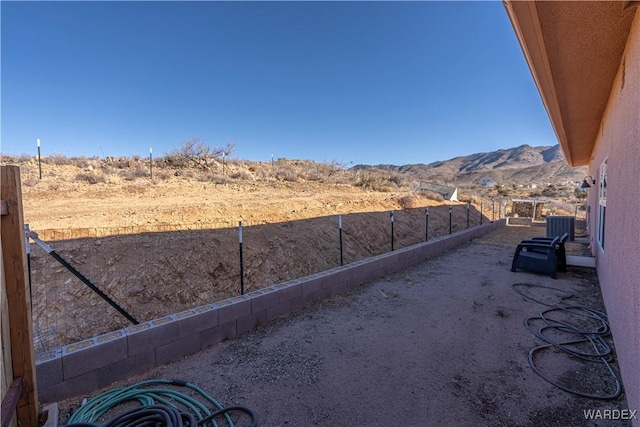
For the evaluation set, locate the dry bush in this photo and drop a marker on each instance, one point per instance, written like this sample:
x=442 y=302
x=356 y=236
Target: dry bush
x=133 y=174
x=374 y=182
x=407 y=201
x=186 y=173
x=287 y=174
x=30 y=181
x=162 y=175
x=120 y=162
x=91 y=177
x=57 y=159
x=81 y=162
x=241 y=175
x=261 y=171
x=341 y=177
x=16 y=160
x=432 y=195
x=7 y=160
x=113 y=179
x=212 y=177
x=196 y=154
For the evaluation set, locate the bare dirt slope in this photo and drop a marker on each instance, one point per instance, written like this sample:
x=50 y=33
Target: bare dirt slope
x=159 y=247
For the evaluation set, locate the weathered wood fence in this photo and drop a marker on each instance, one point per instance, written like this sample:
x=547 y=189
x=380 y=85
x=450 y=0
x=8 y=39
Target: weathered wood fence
x=18 y=384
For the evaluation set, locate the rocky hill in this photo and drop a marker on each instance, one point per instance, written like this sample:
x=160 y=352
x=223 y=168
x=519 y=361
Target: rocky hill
x=520 y=165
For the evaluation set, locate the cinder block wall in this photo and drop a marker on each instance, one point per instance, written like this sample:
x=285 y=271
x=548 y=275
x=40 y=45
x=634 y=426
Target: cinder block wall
x=86 y=366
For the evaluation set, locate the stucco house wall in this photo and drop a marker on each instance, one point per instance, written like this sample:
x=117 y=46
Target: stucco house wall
x=618 y=263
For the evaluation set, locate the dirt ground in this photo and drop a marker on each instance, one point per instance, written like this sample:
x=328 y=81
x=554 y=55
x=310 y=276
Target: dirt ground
x=159 y=247
x=441 y=343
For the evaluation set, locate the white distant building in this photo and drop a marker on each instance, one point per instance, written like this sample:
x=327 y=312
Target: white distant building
x=447 y=192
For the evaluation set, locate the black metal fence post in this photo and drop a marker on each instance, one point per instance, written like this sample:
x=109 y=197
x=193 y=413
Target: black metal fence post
x=241 y=259
x=468 y=205
x=340 y=228
x=391 y=215
x=151 y=162
x=480 y=212
x=449 y=219
x=39 y=161
x=28 y=246
x=426 y=227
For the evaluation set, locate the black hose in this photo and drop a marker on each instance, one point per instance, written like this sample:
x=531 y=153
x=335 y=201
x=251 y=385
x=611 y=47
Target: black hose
x=593 y=334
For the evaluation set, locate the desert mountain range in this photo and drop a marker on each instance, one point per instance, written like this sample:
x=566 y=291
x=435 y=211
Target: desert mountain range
x=519 y=165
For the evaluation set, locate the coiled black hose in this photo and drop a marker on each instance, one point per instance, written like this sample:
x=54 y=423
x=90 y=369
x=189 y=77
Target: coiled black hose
x=595 y=334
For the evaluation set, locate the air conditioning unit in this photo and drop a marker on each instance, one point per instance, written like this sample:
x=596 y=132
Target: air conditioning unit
x=558 y=225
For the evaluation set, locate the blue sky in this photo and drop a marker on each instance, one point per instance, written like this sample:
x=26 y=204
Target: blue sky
x=361 y=82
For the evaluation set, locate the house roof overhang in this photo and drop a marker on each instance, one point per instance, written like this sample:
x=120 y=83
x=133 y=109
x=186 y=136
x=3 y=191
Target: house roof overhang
x=574 y=50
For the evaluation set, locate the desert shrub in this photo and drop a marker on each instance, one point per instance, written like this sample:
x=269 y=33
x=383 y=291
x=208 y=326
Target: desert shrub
x=241 y=175
x=406 y=201
x=374 y=182
x=287 y=174
x=80 y=162
x=113 y=179
x=580 y=194
x=133 y=174
x=196 y=154
x=395 y=179
x=30 y=181
x=16 y=160
x=186 y=173
x=314 y=176
x=432 y=195
x=122 y=163
x=57 y=159
x=212 y=177
x=261 y=171
x=91 y=177
x=550 y=191
x=162 y=175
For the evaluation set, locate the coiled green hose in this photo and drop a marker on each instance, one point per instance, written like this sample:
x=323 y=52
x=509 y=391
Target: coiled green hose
x=159 y=407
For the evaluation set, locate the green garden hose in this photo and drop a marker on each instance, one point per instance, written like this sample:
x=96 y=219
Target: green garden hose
x=160 y=406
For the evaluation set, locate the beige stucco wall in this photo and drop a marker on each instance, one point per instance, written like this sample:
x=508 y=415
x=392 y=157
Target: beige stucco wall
x=619 y=262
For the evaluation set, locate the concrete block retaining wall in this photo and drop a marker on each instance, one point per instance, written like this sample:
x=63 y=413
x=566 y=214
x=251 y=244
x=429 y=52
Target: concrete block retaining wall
x=86 y=366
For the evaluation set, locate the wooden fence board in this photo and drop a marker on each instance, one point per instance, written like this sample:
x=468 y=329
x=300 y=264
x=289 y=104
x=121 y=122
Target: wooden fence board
x=17 y=294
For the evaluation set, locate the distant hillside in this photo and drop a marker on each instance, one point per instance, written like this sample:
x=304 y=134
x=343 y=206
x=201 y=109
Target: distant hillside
x=520 y=165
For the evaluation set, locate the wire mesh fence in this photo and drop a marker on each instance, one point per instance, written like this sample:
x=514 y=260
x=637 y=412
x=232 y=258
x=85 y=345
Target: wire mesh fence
x=160 y=270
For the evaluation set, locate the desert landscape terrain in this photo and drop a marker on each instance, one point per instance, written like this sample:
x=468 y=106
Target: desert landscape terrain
x=162 y=245
x=159 y=246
